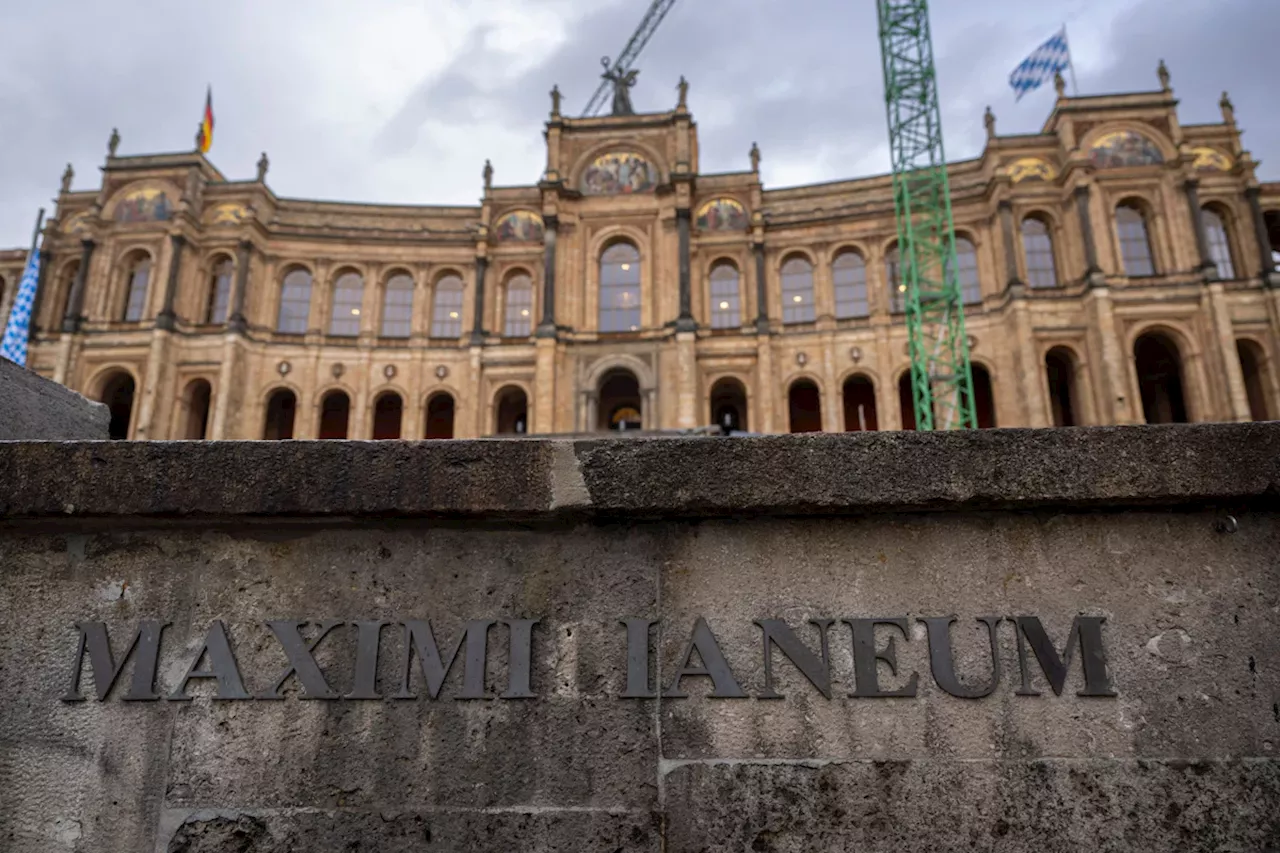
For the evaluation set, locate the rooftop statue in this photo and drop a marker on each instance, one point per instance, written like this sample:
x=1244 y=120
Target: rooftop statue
x=622 y=82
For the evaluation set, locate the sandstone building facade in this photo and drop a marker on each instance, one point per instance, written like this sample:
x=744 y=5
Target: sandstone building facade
x=1118 y=266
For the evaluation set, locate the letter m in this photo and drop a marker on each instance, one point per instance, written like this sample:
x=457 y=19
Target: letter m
x=145 y=645
x=1085 y=631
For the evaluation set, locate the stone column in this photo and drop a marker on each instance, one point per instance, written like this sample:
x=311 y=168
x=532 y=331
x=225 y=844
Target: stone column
x=477 y=327
x=649 y=410
x=75 y=303
x=547 y=328
x=767 y=400
x=1207 y=266
x=1224 y=335
x=762 y=299
x=543 y=405
x=1030 y=365
x=166 y=318
x=235 y=318
x=687 y=390
x=1092 y=270
x=1253 y=194
x=153 y=379
x=1010 y=247
x=685 y=322
x=1114 y=379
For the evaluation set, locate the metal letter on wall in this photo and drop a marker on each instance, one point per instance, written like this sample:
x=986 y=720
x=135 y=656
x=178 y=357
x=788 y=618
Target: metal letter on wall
x=942 y=657
x=866 y=658
x=222 y=667
x=714 y=666
x=777 y=633
x=301 y=660
x=145 y=642
x=1087 y=630
x=638 y=659
x=434 y=669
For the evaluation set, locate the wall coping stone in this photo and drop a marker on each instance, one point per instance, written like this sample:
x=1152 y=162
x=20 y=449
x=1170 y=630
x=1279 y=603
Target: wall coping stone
x=677 y=478
x=33 y=407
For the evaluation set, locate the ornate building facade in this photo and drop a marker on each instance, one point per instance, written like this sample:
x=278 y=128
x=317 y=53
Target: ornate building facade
x=1118 y=267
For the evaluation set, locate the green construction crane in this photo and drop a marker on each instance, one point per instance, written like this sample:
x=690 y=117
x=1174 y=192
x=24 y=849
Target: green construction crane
x=941 y=379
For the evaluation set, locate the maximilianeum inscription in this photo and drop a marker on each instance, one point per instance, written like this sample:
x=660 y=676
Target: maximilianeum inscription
x=422 y=664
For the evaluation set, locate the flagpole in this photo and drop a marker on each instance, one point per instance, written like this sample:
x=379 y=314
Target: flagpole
x=1071 y=65
x=35 y=237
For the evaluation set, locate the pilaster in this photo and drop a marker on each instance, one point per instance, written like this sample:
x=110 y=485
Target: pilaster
x=687 y=390
x=542 y=406
x=1113 y=366
x=547 y=326
x=155 y=377
x=167 y=317
x=1225 y=341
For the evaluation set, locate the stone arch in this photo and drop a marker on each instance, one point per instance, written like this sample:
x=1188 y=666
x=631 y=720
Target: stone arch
x=129 y=192
x=621 y=361
x=1167 y=150
x=984 y=393
x=1190 y=354
x=804 y=404
x=387 y=413
x=280 y=412
x=730 y=403
x=333 y=411
x=1160 y=371
x=440 y=411
x=621 y=402
x=195 y=407
x=1257 y=371
x=858 y=399
x=510 y=409
x=1061 y=365
x=117 y=387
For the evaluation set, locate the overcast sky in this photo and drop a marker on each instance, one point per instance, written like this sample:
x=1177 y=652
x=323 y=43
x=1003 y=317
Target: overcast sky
x=402 y=100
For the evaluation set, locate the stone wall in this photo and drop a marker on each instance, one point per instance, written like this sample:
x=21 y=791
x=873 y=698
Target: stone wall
x=1135 y=566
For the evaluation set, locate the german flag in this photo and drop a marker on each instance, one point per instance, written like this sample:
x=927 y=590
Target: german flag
x=206 y=123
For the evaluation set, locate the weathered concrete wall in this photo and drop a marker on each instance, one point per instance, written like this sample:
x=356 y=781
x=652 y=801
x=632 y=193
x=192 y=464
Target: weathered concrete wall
x=35 y=408
x=1171 y=535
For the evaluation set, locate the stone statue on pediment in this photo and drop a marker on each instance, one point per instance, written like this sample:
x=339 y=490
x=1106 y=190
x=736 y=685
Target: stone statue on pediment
x=622 y=82
x=989 y=119
x=263 y=164
x=488 y=175
x=754 y=154
x=555 y=101
x=67 y=175
x=113 y=143
x=683 y=87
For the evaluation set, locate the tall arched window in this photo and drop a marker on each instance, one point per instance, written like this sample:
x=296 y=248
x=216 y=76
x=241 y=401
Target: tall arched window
x=348 y=295
x=797 y=290
x=65 y=283
x=335 y=413
x=446 y=308
x=139 y=272
x=1037 y=247
x=620 y=288
x=897 y=287
x=295 y=303
x=849 y=278
x=726 y=296
x=397 y=306
x=219 y=291
x=440 y=409
x=117 y=393
x=387 y=413
x=517 y=312
x=967 y=271
x=1215 y=233
x=1158 y=363
x=1135 y=242
x=282 y=408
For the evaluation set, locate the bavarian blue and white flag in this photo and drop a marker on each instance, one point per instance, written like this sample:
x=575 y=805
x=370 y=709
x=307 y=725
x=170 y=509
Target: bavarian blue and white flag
x=1045 y=61
x=14 y=346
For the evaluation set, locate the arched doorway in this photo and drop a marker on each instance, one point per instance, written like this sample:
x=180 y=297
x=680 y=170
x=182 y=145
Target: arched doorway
x=1253 y=367
x=621 y=407
x=804 y=405
x=859 y=394
x=196 y=403
x=440 y=410
x=1060 y=370
x=984 y=400
x=1159 y=367
x=388 y=412
x=335 y=414
x=729 y=405
x=117 y=393
x=282 y=407
x=512 y=410
x=906 y=405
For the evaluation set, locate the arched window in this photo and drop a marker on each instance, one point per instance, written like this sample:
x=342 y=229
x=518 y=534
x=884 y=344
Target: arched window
x=517 y=313
x=620 y=288
x=282 y=406
x=897 y=287
x=387 y=412
x=295 y=303
x=397 y=306
x=1159 y=366
x=1215 y=233
x=440 y=416
x=967 y=271
x=849 y=278
x=1060 y=370
x=139 y=272
x=1037 y=248
x=195 y=400
x=984 y=399
x=219 y=291
x=117 y=393
x=804 y=407
x=1253 y=368
x=446 y=308
x=348 y=295
x=1135 y=242
x=335 y=414
x=859 y=404
x=797 y=290
x=512 y=411
x=65 y=283
x=726 y=296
